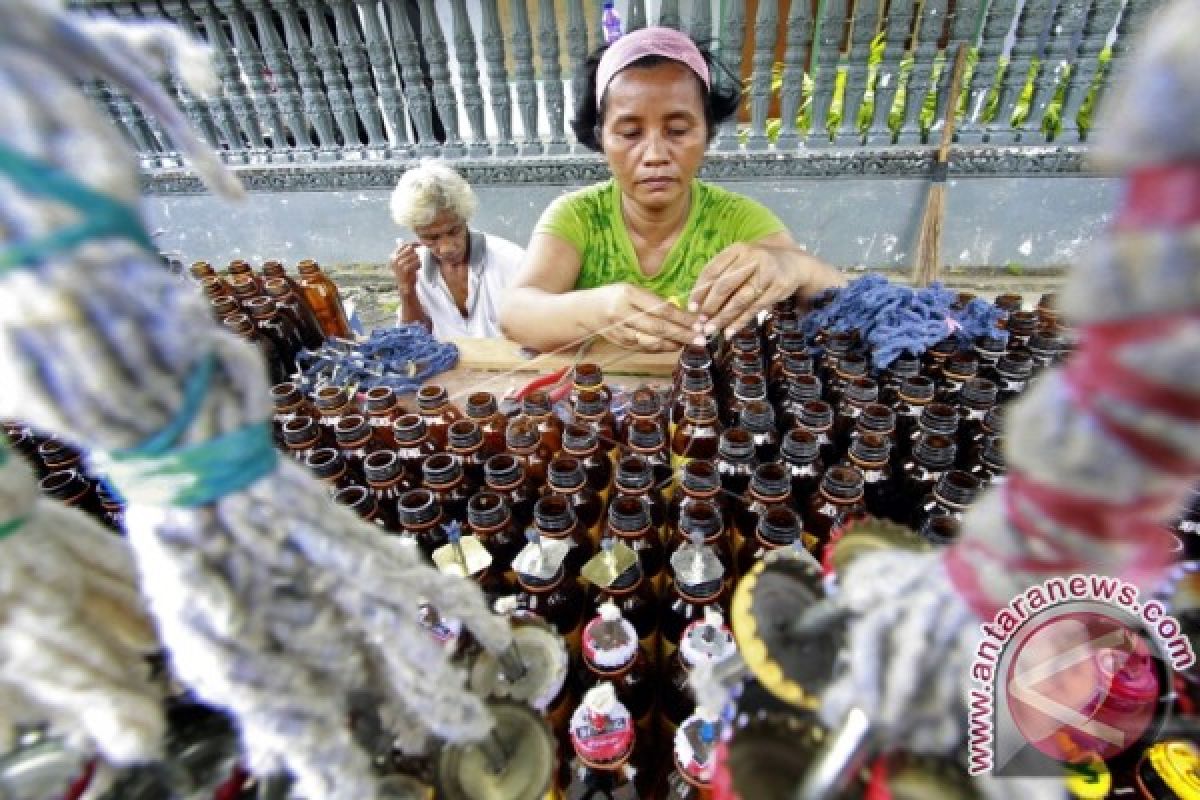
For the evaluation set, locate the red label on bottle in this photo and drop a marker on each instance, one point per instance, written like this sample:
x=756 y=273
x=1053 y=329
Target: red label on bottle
x=602 y=739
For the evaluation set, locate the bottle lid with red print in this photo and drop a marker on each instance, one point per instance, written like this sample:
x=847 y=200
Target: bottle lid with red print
x=696 y=748
x=602 y=728
x=609 y=641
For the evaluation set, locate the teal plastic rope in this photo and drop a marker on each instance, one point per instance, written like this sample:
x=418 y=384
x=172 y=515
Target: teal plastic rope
x=158 y=472
x=104 y=217
x=13 y=525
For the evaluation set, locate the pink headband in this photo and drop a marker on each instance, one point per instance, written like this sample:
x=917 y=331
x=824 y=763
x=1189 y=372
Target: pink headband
x=665 y=42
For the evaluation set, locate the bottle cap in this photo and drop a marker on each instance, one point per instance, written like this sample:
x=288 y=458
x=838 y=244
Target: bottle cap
x=698 y=572
x=540 y=561
x=609 y=640
x=707 y=640
x=601 y=728
x=695 y=748
x=481 y=405
x=609 y=567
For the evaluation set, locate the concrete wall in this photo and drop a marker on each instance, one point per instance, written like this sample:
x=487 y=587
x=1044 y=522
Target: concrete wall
x=1030 y=222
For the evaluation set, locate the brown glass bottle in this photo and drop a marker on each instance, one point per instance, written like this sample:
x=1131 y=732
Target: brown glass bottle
x=771 y=486
x=435 y=408
x=581 y=442
x=757 y=417
x=323 y=298
x=934 y=357
x=816 y=417
x=932 y=456
x=588 y=377
x=606 y=770
x=956 y=371
x=224 y=306
x=953 y=492
x=1021 y=326
x=464 y=441
x=566 y=478
x=244 y=289
x=611 y=653
x=442 y=474
x=705 y=641
x=791 y=366
x=200 y=270
x=72 y=488
x=915 y=393
x=243 y=326
x=699 y=582
x=936 y=418
x=553 y=518
x=593 y=409
x=114 y=508
x=387 y=479
x=693 y=762
x=878 y=419
x=978 y=395
x=746 y=389
x=1046 y=348
x=988 y=349
x=382 y=411
x=800 y=390
x=703 y=516
x=489 y=519
x=240 y=268
x=974 y=440
x=524 y=441
x=835 y=347
x=636 y=477
x=289 y=402
x=629 y=520
x=289 y=302
x=857 y=394
x=801 y=455
x=871 y=453
x=56 y=455
x=850 y=367
x=329 y=466
x=638 y=602
x=421 y=518
x=699 y=434
x=736 y=461
x=214 y=288
x=302 y=435
x=840 y=495
x=278 y=328
x=1011 y=374
x=550 y=594
x=695 y=386
x=892 y=378
x=356 y=439
x=538 y=407
x=988 y=464
x=333 y=403
x=504 y=474
x=698 y=480
x=413 y=445
x=482 y=407
x=692 y=356
x=365 y=503
x=778 y=526
x=648 y=439
x=644 y=404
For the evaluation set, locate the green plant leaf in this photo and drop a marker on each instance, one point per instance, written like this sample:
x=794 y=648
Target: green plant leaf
x=929 y=102
x=1052 y=118
x=900 y=98
x=960 y=108
x=838 y=101
x=1083 y=120
x=991 y=105
x=1025 y=99
x=866 y=111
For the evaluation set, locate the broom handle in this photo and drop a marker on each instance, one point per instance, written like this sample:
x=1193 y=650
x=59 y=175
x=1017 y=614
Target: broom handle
x=960 y=65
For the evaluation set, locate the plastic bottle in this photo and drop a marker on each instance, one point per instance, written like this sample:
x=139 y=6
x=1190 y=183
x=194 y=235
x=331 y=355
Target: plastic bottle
x=610 y=21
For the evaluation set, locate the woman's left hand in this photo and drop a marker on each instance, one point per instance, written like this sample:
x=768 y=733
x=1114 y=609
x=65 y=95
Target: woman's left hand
x=744 y=278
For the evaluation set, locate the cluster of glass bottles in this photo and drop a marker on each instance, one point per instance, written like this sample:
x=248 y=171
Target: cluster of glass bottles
x=280 y=313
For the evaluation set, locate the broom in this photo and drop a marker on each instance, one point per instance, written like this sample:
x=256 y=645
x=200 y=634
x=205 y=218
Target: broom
x=929 y=240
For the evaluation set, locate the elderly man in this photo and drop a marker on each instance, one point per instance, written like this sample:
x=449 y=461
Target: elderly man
x=451 y=277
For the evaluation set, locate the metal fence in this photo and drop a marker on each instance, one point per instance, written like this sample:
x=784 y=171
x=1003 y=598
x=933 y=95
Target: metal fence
x=312 y=81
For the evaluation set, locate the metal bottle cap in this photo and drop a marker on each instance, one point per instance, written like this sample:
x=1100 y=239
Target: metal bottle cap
x=542 y=558
x=614 y=560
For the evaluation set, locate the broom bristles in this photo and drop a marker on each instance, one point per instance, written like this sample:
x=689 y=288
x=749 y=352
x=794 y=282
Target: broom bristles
x=929 y=239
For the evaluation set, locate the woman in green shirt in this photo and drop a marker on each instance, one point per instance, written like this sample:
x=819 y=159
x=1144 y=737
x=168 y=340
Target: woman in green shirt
x=653 y=258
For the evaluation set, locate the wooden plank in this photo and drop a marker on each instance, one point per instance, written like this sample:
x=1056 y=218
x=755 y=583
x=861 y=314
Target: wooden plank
x=504 y=355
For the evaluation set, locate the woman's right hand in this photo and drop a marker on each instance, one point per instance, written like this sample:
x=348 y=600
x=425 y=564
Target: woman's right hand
x=638 y=319
x=405 y=265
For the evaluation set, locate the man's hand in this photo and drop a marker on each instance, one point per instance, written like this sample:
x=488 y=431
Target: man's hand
x=744 y=278
x=405 y=264
x=641 y=320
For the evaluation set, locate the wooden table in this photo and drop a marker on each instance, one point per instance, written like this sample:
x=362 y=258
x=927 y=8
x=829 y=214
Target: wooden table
x=500 y=366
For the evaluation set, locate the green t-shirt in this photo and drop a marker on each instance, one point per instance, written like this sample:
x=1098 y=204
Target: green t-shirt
x=591 y=220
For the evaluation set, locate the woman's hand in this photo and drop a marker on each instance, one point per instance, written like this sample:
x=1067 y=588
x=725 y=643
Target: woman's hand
x=638 y=319
x=745 y=278
x=405 y=264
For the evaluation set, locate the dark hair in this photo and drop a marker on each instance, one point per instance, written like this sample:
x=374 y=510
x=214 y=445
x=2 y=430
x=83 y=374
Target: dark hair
x=721 y=102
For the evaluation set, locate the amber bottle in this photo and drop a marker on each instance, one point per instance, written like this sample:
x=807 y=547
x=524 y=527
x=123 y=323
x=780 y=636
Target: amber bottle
x=699 y=582
x=954 y=491
x=692 y=356
x=1046 y=348
x=387 y=479
x=915 y=393
x=413 y=445
x=224 y=306
x=524 y=441
x=591 y=408
x=244 y=288
x=878 y=419
x=840 y=495
x=736 y=461
x=778 y=526
x=323 y=298
x=758 y=418
x=56 y=455
x=611 y=653
x=850 y=367
x=836 y=345
x=632 y=594
x=939 y=419
x=554 y=518
x=636 y=477
x=72 y=488
x=644 y=404
x=856 y=396
x=490 y=520
x=482 y=407
x=588 y=377
x=464 y=441
x=302 y=435
x=545 y=589
x=973 y=441
x=648 y=439
x=240 y=268
x=892 y=378
x=771 y=486
x=1011 y=374
x=277 y=327
x=871 y=453
x=801 y=454
x=695 y=386
x=694 y=760
x=1021 y=326
x=504 y=474
x=629 y=520
x=214 y=288
x=935 y=357
x=365 y=503
x=243 y=326
x=987 y=463
x=787 y=365
x=292 y=304
x=356 y=439
x=331 y=468
x=816 y=417
x=442 y=474
x=957 y=370
x=435 y=408
x=581 y=442
x=113 y=507
x=699 y=434
x=800 y=390
x=988 y=349
x=538 y=407
x=603 y=740
x=288 y=403
x=746 y=389
x=702 y=517
x=932 y=457
x=705 y=641
x=978 y=395
x=565 y=477
x=421 y=518
x=334 y=402
x=698 y=480
x=382 y=410
x=200 y=270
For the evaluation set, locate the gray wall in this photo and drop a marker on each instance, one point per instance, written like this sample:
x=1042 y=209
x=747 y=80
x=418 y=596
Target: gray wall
x=1034 y=222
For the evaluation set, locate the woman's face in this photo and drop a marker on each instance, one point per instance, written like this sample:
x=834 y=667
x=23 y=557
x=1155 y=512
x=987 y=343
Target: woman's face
x=654 y=134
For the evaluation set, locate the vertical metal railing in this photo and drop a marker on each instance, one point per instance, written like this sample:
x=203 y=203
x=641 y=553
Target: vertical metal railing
x=327 y=80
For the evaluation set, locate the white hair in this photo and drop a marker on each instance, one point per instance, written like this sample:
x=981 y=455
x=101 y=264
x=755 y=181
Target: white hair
x=428 y=188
